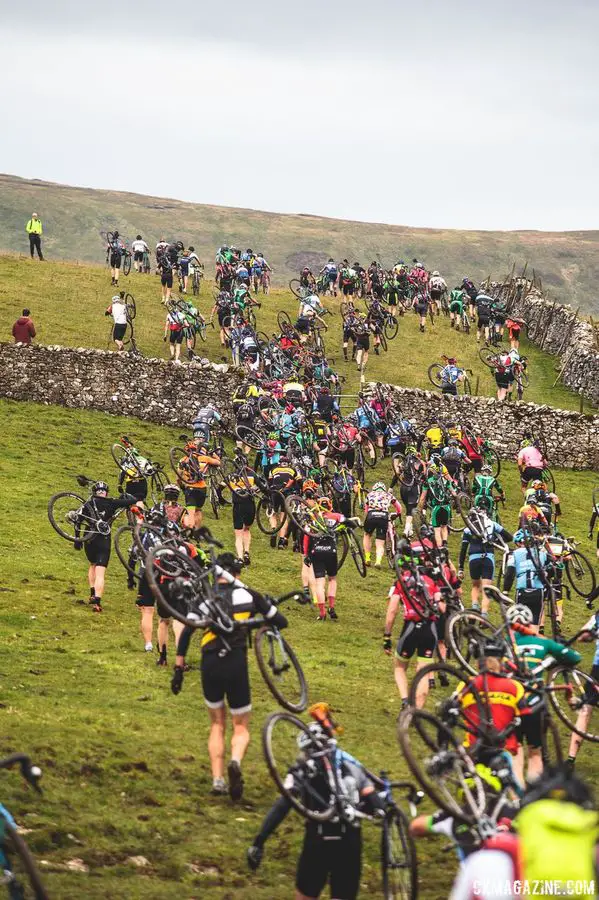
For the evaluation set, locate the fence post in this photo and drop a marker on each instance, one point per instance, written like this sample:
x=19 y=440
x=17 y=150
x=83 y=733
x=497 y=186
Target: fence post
x=476 y=386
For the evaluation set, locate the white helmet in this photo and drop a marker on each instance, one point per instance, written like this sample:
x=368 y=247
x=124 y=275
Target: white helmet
x=519 y=614
x=315 y=735
x=435 y=274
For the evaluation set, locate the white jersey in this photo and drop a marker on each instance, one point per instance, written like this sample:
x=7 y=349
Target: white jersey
x=437 y=283
x=140 y=247
x=119 y=311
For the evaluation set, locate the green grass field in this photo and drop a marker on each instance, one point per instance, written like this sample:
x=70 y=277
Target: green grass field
x=73 y=218
x=68 y=303
x=125 y=763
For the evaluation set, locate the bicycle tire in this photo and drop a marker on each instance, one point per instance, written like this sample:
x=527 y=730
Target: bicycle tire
x=250 y=437
x=581 y=562
x=477 y=629
x=124 y=555
x=491 y=458
x=280 y=779
x=391 y=329
x=157 y=484
x=488 y=357
x=131 y=306
x=121 y=455
x=408 y=861
x=159 y=587
x=126 y=263
x=433 y=372
x=19 y=848
x=265 y=667
x=548 y=478
x=368 y=458
x=357 y=554
x=342 y=550
x=284 y=320
x=175 y=455
x=591 y=687
x=265 y=508
x=296 y=288
x=383 y=341
x=54 y=522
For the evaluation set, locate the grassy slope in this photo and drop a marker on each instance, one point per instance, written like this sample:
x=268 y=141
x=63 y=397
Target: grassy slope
x=125 y=762
x=68 y=302
x=73 y=218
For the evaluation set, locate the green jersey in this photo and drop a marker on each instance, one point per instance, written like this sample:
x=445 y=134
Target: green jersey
x=534 y=648
x=483 y=486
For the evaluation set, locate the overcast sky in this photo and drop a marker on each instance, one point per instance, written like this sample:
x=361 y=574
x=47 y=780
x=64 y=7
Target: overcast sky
x=460 y=113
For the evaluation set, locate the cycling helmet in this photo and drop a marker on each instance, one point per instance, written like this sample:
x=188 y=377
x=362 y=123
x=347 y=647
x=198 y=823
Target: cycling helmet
x=433 y=468
x=180 y=245
x=452 y=442
x=314 y=736
x=519 y=614
x=158 y=511
x=538 y=485
x=249 y=250
x=172 y=491
x=493 y=647
x=411 y=450
x=230 y=563
x=326 y=503
x=191 y=249
x=520 y=536
x=530 y=496
x=139 y=237
x=115 y=234
x=100 y=487
x=379 y=486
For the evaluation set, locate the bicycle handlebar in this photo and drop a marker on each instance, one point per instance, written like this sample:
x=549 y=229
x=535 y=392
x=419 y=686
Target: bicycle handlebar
x=30 y=773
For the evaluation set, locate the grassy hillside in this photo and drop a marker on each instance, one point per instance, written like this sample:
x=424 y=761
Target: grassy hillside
x=74 y=217
x=67 y=302
x=125 y=763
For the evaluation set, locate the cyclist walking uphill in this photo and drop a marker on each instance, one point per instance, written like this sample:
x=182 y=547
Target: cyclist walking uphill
x=422 y=605
x=438 y=289
x=484 y=305
x=191 y=472
x=114 y=251
x=173 y=332
x=328 y=274
x=379 y=506
x=205 y=419
x=528 y=568
x=437 y=494
x=118 y=311
x=531 y=462
x=451 y=376
x=457 y=300
x=224 y=672
x=100 y=509
x=478 y=541
x=331 y=851
x=139 y=247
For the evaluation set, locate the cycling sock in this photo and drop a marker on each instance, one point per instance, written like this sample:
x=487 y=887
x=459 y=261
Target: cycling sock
x=322 y=609
x=379 y=559
x=331 y=602
x=367 y=556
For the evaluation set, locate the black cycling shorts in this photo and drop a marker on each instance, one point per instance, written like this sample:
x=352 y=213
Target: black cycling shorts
x=146 y=598
x=324 y=563
x=303 y=325
x=97 y=550
x=483 y=321
x=349 y=457
x=421 y=309
x=195 y=497
x=118 y=332
x=504 y=379
x=591 y=695
x=226 y=677
x=138 y=256
x=449 y=388
x=332 y=859
x=137 y=488
x=176 y=336
x=348 y=334
x=224 y=318
x=533 y=599
x=363 y=342
x=435 y=294
x=530 y=473
x=377 y=521
x=348 y=290
x=483 y=567
x=166 y=279
x=530 y=728
x=409 y=497
x=244 y=513
x=115 y=260
x=418 y=638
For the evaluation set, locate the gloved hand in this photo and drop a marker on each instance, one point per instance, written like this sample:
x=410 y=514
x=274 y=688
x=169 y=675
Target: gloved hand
x=387 y=644
x=461 y=574
x=355 y=522
x=78 y=545
x=254 y=857
x=177 y=680
x=279 y=621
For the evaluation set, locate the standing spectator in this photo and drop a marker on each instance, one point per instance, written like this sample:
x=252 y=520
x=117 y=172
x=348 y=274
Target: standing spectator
x=34 y=230
x=23 y=330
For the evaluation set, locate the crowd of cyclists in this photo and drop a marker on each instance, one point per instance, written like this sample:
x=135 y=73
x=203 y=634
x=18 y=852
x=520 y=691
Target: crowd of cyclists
x=494 y=673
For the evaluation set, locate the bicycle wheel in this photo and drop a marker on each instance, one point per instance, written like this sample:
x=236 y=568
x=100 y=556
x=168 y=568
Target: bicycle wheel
x=391 y=328
x=398 y=857
x=368 y=452
x=176 y=581
x=548 y=478
x=580 y=574
x=464 y=720
x=434 y=374
x=460 y=501
x=383 y=340
x=251 y=437
x=488 y=357
x=357 y=554
x=127 y=549
x=21 y=878
x=342 y=550
x=283 y=320
x=466 y=324
x=157 y=485
x=491 y=458
x=126 y=263
x=175 y=455
x=465 y=634
x=131 y=307
x=214 y=498
x=280 y=668
x=551 y=747
x=441 y=765
x=64 y=513
x=268 y=507
x=302 y=515
x=310 y=797
x=574 y=696
x=122 y=456
x=296 y=288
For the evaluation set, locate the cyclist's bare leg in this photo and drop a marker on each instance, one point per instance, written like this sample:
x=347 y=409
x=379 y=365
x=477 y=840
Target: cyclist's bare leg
x=440 y=532
x=485 y=600
x=162 y=635
x=423 y=687
x=99 y=577
x=241 y=735
x=401 y=677
x=380 y=551
x=476 y=593
x=408 y=530
x=239 y=548
x=332 y=591
x=367 y=545
x=147 y=623
x=216 y=741
x=582 y=724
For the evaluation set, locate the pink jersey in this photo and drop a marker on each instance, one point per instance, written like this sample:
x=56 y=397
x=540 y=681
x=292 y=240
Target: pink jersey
x=531 y=458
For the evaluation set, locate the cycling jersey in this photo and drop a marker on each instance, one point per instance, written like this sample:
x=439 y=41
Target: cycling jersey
x=505 y=698
x=483 y=486
x=534 y=648
x=522 y=569
x=381 y=501
x=483 y=305
x=194 y=466
x=450 y=374
x=477 y=546
x=206 y=416
x=435 y=436
x=118 y=311
x=140 y=247
x=415 y=596
x=452 y=458
x=530 y=458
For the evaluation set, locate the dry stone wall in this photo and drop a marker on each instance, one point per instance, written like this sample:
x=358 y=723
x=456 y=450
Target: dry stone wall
x=558 y=330
x=169 y=394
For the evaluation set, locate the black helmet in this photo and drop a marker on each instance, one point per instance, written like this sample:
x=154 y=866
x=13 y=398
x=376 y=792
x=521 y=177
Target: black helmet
x=230 y=563
x=138 y=238
x=115 y=234
x=179 y=245
x=191 y=249
x=493 y=647
x=99 y=486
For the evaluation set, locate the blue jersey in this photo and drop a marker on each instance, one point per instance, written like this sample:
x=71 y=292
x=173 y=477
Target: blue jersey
x=478 y=547
x=527 y=577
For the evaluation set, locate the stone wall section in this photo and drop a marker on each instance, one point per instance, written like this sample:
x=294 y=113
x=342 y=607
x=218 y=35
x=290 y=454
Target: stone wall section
x=169 y=394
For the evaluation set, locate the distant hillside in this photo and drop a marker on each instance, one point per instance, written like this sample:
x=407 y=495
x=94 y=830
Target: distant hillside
x=567 y=262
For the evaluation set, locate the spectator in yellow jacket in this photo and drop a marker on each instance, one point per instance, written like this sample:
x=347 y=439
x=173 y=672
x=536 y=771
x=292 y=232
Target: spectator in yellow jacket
x=34 y=230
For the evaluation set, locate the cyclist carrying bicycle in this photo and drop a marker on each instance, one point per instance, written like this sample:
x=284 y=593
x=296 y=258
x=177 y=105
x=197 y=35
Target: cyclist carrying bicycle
x=224 y=673
x=457 y=299
x=331 y=851
x=478 y=541
x=529 y=572
x=451 y=376
x=379 y=506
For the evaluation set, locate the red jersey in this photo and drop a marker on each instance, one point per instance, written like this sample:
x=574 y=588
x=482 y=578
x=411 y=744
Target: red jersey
x=411 y=595
x=472 y=448
x=504 y=696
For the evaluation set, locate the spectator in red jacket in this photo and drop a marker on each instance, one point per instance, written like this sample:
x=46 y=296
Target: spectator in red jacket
x=23 y=330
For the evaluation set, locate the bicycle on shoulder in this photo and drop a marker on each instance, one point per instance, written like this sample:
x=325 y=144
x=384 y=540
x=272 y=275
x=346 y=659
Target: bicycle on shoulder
x=19 y=875
x=75 y=518
x=134 y=466
x=449 y=376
